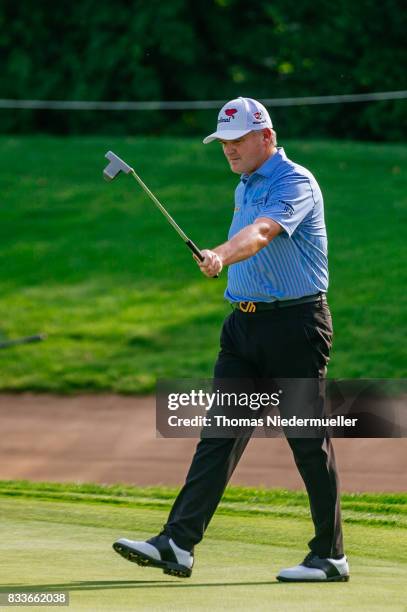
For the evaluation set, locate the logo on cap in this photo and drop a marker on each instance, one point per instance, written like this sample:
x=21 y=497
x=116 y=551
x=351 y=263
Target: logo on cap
x=258 y=115
x=230 y=114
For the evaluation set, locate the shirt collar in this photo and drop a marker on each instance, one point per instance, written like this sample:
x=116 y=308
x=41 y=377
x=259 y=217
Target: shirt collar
x=269 y=166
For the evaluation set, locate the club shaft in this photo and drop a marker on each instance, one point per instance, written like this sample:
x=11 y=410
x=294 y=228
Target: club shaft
x=117 y=165
x=26 y=340
x=161 y=207
x=191 y=245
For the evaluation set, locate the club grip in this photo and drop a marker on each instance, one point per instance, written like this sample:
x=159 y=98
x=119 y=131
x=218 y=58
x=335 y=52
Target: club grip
x=195 y=250
x=191 y=245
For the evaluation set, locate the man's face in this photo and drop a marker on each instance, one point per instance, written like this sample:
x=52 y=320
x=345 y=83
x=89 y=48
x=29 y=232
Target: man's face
x=247 y=153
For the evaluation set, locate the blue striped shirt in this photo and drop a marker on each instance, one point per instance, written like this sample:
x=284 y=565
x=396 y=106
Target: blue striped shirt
x=295 y=263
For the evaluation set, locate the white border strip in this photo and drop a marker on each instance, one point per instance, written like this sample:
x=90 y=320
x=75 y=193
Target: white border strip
x=192 y=105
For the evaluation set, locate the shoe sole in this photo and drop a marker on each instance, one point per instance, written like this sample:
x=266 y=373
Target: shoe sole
x=173 y=569
x=332 y=579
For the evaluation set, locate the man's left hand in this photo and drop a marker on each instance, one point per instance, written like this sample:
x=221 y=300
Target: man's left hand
x=212 y=263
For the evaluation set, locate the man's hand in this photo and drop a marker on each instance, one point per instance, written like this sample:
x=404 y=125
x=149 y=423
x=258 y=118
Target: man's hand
x=243 y=245
x=212 y=263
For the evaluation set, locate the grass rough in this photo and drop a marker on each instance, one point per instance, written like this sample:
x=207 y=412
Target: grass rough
x=96 y=267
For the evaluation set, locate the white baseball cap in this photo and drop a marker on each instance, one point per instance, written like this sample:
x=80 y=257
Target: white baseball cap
x=239 y=117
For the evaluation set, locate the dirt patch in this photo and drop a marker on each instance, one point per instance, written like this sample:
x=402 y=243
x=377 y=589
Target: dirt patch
x=110 y=439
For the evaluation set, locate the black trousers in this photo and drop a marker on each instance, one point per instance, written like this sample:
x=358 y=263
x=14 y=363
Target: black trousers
x=291 y=342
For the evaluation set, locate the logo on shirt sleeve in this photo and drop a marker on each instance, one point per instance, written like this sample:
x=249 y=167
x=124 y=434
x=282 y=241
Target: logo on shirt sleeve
x=287 y=208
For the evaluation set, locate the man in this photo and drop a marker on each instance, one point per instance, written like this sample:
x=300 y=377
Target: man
x=280 y=327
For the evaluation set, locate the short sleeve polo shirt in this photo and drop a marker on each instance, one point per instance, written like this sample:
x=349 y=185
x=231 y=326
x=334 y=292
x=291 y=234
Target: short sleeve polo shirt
x=295 y=263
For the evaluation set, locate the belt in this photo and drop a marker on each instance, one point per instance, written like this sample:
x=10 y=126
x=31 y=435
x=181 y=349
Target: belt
x=251 y=307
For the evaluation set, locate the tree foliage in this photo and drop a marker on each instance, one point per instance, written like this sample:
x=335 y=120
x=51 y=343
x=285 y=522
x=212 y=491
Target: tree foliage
x=200 y=50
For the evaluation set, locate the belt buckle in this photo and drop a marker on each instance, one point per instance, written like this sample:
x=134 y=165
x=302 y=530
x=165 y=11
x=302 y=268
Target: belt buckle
x=247 y=306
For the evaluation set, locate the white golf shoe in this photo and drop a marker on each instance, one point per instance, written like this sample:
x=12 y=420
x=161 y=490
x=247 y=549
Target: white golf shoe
x=315 y=569
x=159 y=551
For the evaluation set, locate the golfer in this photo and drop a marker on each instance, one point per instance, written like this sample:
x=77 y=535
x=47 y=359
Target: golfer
x=280 y=326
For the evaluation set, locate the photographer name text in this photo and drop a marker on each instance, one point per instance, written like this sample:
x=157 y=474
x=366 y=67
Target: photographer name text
x=269 y=421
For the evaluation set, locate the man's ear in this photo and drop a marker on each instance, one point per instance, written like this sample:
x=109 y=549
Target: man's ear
x=267 y=136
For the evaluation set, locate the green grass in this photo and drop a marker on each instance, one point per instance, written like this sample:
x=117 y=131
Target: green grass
x=365 y=508
x=59 y=537
x=96 y=267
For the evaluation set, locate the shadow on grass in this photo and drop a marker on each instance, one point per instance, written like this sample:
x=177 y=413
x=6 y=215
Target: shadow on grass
x=95 y=585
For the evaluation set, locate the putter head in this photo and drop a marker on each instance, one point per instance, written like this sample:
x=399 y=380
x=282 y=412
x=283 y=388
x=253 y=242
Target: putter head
x=115 y=166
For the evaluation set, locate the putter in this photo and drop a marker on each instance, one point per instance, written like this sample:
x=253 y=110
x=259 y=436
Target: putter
x=25 y=340
x=117 y=165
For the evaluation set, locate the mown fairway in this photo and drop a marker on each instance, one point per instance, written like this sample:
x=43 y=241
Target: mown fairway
x=96 y=267
x=60 y=536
